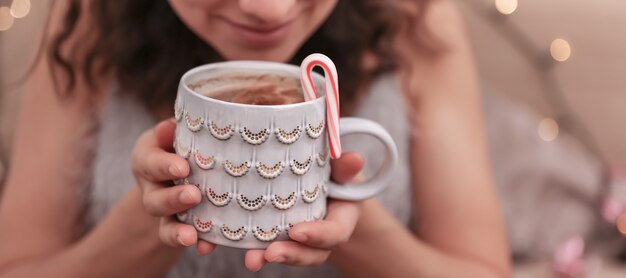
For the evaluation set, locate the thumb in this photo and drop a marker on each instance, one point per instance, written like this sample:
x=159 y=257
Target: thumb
x=346 y=167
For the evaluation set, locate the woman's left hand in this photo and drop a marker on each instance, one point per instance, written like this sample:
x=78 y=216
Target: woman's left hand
x=313 y=241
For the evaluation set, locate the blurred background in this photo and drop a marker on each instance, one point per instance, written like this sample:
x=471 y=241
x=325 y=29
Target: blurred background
x=553 y=74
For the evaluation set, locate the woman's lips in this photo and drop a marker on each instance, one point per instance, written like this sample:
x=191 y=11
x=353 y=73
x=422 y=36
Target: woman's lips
x=261 y=35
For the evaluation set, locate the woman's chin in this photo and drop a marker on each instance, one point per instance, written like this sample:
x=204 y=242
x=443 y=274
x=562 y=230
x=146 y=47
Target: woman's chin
x=271 y=57
x=252 y=52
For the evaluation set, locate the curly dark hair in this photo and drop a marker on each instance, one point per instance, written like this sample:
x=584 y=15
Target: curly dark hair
x=141 y=42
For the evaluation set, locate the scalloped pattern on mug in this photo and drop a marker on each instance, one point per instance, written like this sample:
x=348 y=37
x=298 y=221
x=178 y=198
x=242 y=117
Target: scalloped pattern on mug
x=234 y=235
x=183 y=151
x=270 y=172
x=185 y=181
x=300 y=168
x=221 y=133
x=254 y=138
x=288 y=137
x=181 y=181
x=194 y=124
x=288 y=227
x=270 y=235
x=251 y=204
x=318 y=217
x=182 y=216
x=311 y=196
x=236 y=170
x=284 y=203
x=322 y=159
x=202 y=226
x=218 y=200
x=178 y=110
x=204 y=162
x=315 y=131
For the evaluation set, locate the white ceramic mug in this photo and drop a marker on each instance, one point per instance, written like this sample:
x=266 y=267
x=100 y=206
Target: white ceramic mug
x=261 y=168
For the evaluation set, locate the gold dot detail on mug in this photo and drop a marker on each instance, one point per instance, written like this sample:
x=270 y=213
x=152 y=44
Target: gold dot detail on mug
x=183 y=151
x=300 y=168
x=262 y=235
x=234 y=235
x=288 y=137
x=251 y=204
x=311 y=196
x=322 y=159
x=236 y=171
x=254 y=138
x=284 y=203
x=218 y=200
x=270 y=172
x=204 y=162
x=202 y=226
x=315 y=132
x=194 y=124
x=221 y=133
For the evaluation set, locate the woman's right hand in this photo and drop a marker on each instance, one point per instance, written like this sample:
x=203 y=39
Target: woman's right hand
x=155 y=165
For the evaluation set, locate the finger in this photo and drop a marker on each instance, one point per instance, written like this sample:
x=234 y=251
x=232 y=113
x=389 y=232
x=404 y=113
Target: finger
x=157 y=165
x=170 y=200
x=336 y=229
x=255 y=260
x=204 y=247
x=176 y=234
x=150 y=160
x=621 y=224
x=346 y=167
x=165 y=131
x=293 y=253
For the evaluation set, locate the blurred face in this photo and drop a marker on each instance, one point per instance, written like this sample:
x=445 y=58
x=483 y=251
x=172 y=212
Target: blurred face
x=271 y=30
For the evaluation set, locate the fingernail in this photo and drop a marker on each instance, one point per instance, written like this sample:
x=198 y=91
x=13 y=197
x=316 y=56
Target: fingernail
x=185 y=197
x=174 y=170
x=180 y=241
x=279 y=259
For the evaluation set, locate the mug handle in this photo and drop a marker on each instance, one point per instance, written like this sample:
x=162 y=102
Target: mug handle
x=375 y=185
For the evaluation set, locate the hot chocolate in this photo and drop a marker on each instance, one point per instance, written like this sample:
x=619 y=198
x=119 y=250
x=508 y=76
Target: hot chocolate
x=259 y=90
x=261 y=94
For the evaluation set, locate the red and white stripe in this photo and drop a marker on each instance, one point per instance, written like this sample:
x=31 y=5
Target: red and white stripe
x=332 y=96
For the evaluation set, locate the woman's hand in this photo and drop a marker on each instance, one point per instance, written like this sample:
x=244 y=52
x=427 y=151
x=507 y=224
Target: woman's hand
x=313 y=241
x=154 y=165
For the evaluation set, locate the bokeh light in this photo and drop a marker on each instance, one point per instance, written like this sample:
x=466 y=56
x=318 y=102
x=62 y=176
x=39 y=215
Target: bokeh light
x=548 y=129
x=20 y=8
x=560 y=50
x=506 y=6
x=6 y=19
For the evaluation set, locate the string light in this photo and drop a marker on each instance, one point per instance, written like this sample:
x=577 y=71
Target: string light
x=506 y=7
x=560 y=50
x=6 y=19
x=20 y=8
x=548 y=129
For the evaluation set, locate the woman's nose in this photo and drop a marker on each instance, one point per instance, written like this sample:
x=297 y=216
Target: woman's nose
x=268 y=11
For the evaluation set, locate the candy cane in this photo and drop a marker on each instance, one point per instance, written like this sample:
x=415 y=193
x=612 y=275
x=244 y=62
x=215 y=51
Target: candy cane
x=332 y=95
